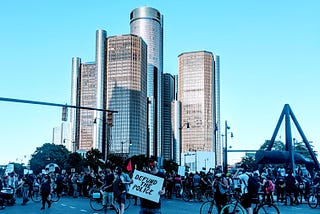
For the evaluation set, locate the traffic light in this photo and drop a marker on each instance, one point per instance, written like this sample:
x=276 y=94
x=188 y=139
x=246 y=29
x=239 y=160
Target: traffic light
x=109 y=120
x=64 y=113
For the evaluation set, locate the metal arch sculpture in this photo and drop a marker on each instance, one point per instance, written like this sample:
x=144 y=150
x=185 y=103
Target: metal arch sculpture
x=268 y=156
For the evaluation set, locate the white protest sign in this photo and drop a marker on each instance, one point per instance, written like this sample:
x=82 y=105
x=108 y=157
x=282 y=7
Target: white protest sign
x=181 y=170
x=146 y=186
x=9 y=168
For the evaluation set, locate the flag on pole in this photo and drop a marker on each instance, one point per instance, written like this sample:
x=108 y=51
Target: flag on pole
x=129 y=166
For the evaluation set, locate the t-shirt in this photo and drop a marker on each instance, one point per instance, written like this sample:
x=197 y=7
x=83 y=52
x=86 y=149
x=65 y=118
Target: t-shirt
x=196 y=180
x=109 y=178
x=151 y=204
x=244 y=178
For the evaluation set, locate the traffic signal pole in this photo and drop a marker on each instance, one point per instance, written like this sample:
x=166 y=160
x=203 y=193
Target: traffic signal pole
x=53 y=104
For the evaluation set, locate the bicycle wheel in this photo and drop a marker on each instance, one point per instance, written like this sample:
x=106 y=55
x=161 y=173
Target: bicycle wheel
x=209 y=195
x=313 y=201
x=96 y=204
x=234 y=208
x=268 y=209
x=35 y=196
x=186 y=195
x=54 y=196
x=198 y=194
x=208 y=207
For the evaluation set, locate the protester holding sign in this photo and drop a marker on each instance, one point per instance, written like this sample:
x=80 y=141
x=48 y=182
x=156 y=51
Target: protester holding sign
x=147 y=206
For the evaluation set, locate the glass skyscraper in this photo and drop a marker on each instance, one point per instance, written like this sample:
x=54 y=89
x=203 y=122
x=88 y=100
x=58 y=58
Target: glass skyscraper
x=126 y=83
x=147 y=23
x=200 y=101
x=168 y=97
x=87 y=90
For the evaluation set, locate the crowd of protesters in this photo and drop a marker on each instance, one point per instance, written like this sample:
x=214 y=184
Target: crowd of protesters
x=283 y=181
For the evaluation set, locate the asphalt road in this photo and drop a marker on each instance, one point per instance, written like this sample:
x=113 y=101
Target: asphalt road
x=68 y=205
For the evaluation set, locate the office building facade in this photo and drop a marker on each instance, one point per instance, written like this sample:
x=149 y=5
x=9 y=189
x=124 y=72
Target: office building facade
x=168 y=97
x=126 y=65
x=199 y=99
x=147 y=23
x=88 y=90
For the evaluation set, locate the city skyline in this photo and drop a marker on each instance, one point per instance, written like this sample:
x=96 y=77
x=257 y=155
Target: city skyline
x=268 y=50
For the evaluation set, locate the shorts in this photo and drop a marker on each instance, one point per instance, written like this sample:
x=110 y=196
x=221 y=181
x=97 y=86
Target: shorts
x=121 y=199
x=246 y=200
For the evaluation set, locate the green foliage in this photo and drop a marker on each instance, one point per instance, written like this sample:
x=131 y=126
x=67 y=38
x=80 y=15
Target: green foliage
x=48 y=153
x=300 y=147
x=74 y=160
x=277 y=145
x=250 y=162
x=170 y=165
x=115 y=160
x=93 y=159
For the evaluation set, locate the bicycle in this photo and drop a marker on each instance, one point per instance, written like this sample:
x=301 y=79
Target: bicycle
x=54 y=196
x=35 y=194
x=209 y=207
x=189 y=194
x=260 y=207
x=314 y=198
x=96 y=202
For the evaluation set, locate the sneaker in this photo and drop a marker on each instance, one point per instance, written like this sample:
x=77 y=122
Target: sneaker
x=42 y=208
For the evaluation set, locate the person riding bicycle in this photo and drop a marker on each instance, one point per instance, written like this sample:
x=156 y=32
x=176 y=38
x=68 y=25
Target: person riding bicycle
x=291 y=186
x=244 y=178
x=316 y=182
x=108 y=188
x=221 y=186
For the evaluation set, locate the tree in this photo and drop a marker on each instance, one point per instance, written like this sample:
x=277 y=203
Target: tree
x=94 y=159
x=170 y=165
x=74 y=160
x=48 y=153
x=277 y=145
x=250 y=162
x=300 y=147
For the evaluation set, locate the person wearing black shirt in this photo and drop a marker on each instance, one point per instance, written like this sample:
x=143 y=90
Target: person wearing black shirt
x=108 y=187
x=45 y=191
x=151 y=207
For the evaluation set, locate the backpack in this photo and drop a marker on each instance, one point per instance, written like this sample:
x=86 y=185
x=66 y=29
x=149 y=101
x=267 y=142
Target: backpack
x=269 y=187
x=253 y=186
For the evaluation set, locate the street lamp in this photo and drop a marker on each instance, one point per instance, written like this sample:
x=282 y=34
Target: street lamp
x=225 y=162
x=187 y=126
x=205 y=163
x=105 y=139
x=72 y=144
x=123 y=142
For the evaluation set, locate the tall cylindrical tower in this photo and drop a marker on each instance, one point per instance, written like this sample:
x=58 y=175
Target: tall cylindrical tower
x=147 y=23
x=99 y=131
x=74 y=125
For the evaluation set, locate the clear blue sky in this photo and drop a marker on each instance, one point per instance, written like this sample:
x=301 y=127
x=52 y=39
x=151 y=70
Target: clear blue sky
x=269 y=51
